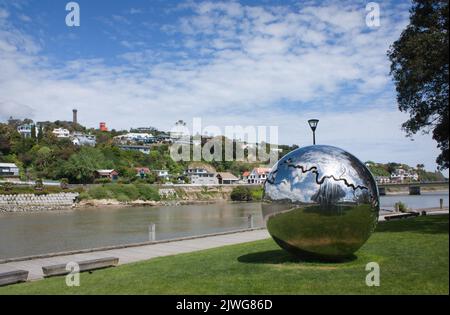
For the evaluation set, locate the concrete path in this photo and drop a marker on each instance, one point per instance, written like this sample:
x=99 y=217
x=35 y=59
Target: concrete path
x=138 y=253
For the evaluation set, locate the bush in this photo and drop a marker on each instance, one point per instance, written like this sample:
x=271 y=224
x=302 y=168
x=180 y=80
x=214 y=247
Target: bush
x=39 y=184
x=102 y=181
x=100 y=193
x=400 y=206
x=257 y=193
x=122 y=197
x=241 y=194
x=125 y=192
x=147 y=192
x=84 y=196
x=64 y=183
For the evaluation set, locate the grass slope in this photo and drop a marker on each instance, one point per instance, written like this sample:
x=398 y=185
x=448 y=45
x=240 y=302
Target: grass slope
x=412 y=254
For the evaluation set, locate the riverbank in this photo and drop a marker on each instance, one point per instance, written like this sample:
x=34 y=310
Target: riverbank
x=113 y=203
x=245 y=268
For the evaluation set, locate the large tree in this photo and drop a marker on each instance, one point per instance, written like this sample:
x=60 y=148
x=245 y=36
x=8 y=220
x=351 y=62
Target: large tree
x=419 y=66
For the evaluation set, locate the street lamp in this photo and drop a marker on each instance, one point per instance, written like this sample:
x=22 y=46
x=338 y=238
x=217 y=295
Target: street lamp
x=313 y=124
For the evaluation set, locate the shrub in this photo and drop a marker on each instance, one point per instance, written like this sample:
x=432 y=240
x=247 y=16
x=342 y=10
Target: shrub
x=64 y=183
x=257 y=193
x=100 y=192
x=83 y=196
x=7 y=187
x=147 y=192
x=400 y=206
x=39 y=184
x=122 y=197
x=102 y=181
x=241 y=193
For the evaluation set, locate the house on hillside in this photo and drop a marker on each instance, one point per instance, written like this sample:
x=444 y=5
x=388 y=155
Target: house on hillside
x=134 y=138
x=164 y=174
x=258 y=175
x=9 y=170
x=80 y=139
x=61 y=133
x=226 y=178
x=111 y=174
x=26 y=129
x=201 y=176
x=401 y=175
x=382 y=179
x=142 y=171
x=245 y=176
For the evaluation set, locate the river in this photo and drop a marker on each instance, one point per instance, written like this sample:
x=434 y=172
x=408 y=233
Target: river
x=24 y=234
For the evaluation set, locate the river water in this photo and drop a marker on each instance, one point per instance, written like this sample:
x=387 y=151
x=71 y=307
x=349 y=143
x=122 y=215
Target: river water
x=24 y=234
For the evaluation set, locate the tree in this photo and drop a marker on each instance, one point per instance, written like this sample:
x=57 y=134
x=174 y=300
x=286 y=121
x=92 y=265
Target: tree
x=40 y=134
x=419 y=66
x=33 y=132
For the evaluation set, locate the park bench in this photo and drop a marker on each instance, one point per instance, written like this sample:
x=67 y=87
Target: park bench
x=86 y=265
x=401 y=215
x=12 y=277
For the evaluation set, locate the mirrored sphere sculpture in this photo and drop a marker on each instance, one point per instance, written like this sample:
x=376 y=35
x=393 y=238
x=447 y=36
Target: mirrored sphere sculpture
x=320 y=201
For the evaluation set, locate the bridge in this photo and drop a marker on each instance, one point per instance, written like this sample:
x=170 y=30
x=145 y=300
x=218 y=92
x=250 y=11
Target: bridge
x=414 y=187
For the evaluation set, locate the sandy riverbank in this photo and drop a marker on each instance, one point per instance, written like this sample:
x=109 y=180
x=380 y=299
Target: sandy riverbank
x=97 y=203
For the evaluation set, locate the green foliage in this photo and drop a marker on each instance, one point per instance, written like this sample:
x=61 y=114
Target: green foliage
x=9 y=189
x=420 y=68
x=100 y=192
x=401 y=207
x=102 y=181
x=241 y=193
x=257 y=193
x=122 y=192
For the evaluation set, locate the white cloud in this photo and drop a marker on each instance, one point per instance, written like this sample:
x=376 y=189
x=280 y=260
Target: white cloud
x=258 y=66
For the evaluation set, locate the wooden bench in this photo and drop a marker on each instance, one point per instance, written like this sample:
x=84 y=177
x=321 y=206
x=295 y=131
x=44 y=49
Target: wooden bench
x=12 y=277
x=401 y=216
x=86 y=265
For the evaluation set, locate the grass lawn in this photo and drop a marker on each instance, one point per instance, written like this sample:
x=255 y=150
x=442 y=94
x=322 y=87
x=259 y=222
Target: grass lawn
x=412 y=254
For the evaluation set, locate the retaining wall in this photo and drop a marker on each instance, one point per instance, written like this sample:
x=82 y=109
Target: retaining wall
x=31 y=202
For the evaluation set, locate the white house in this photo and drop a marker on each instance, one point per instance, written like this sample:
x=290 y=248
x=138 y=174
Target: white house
x=201 y=176
x=134 y=137
x=82 y=139
x=61 y=133
x=400 y=175
x=382 y=179
x=9 y=169
x=25 y=130
x=162 y=174
x=258 y=175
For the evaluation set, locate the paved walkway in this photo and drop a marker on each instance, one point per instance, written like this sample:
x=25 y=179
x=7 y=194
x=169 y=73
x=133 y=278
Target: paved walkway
x=138 y=253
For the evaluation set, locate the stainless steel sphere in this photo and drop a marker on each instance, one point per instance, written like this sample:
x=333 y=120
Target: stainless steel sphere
x=320 y=201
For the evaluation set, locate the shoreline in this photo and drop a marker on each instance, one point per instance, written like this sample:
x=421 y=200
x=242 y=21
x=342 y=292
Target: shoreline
x=113 y=203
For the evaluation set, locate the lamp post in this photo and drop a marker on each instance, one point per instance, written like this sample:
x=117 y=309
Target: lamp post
x=313 y=124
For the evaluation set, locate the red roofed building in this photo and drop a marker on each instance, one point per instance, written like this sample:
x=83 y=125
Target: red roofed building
x=142 y=171
x=245 y=176
x=258 y=175
x=111 y=174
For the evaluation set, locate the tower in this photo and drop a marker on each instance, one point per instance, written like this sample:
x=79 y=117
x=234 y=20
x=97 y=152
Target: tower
x=74 y=119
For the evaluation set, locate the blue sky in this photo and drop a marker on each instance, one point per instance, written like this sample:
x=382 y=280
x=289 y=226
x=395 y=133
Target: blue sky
x=271 y=63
